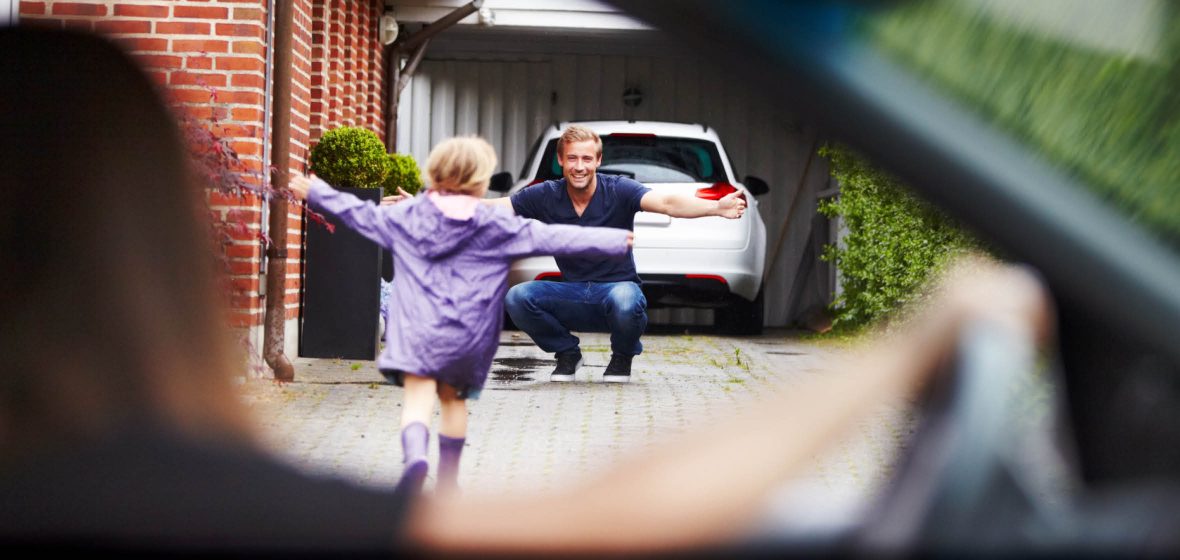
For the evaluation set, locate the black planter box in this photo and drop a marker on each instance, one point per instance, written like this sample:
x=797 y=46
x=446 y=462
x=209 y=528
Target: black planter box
x=341 y=290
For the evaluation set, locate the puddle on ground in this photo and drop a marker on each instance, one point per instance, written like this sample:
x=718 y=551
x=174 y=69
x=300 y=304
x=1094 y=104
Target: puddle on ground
x=510 y=376
x=508 y=370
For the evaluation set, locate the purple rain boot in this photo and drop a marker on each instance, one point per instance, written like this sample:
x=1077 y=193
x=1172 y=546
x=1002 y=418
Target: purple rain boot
x=449 y=451
x=414 y=439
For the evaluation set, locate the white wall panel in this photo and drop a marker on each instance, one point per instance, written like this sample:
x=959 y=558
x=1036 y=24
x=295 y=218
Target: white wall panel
x=588 y=96
x=565 y=79
x=420 y=127
x=10 y=13
x=405 y=121
x=660 y=95
x=466 y=98
x=442 y=102
x=737 y=124
x=712 y=103
x=516 y=98
x=687 y=96
x=638 y=76
x=611 y=83
x=760 y=148
x=491 y=121
x=509 y=99
x=540 y=105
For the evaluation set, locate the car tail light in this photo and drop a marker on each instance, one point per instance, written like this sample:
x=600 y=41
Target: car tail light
x=548 y=276
x=535 y=181
x=713 y=277
x=717 y=191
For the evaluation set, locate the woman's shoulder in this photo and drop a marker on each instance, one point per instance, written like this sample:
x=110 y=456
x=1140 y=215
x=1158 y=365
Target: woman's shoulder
x=211 y=491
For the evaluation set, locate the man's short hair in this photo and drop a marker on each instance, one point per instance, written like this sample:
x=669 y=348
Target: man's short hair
x=574 y=133
x=461 y=165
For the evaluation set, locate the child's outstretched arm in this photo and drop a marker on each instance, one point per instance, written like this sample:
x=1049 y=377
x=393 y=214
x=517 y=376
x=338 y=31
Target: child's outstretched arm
x=366 y=218
x=299 y=184
x=536 y=238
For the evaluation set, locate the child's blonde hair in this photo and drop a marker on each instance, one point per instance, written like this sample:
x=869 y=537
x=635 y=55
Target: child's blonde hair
x=461 y=165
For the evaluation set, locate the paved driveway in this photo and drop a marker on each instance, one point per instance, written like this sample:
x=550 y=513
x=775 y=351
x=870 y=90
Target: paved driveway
x=341 y=418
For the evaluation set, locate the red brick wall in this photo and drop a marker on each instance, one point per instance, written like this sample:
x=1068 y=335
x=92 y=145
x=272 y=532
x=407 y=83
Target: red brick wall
x=211 y=56
x=347 y=66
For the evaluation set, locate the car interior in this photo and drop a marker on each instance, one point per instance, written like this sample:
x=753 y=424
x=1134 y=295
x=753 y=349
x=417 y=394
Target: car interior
x=1052 y=130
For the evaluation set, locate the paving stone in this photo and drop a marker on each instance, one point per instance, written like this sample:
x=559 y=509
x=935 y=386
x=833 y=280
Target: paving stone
x=340 y=417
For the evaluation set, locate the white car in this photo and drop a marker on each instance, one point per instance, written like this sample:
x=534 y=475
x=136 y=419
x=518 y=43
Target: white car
x=708 y=262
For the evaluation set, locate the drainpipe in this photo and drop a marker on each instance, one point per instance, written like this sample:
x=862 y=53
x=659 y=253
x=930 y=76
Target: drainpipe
x=267 y=99
x=276 y=267
x=399 y=78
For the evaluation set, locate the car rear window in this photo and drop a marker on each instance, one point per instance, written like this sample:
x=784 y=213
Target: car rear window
x=649 y=159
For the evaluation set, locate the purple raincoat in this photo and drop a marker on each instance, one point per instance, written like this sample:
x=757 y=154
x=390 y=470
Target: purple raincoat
x=451 y=276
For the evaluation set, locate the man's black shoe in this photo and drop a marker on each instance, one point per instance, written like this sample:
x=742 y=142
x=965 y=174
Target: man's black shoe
x=568 y=363
x=618 y=370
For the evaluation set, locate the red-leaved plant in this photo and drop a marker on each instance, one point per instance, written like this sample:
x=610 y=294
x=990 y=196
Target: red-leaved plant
x=217 y=167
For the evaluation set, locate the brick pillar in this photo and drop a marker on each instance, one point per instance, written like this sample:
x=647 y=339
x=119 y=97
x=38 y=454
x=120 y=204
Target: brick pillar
x=210 y=58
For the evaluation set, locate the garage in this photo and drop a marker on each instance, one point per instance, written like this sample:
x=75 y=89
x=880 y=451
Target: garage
x=514 y=68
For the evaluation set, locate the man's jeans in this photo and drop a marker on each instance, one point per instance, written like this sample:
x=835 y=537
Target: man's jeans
x=548 y=311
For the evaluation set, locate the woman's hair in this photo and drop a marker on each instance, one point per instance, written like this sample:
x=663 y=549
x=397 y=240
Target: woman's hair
x=109 y=305
x=575 y=133
x=461 y=165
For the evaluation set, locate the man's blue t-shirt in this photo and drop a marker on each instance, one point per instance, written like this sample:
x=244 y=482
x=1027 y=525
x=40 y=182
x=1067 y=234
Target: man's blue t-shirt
x=614 y=204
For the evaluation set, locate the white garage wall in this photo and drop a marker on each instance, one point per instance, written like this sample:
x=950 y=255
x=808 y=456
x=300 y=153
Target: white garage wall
x=510 y=98
x=9 y=12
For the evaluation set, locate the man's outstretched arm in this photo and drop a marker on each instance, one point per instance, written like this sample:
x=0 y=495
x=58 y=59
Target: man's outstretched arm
x=686 y=206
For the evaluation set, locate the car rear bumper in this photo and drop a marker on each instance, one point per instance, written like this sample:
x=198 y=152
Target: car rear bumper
x=668 y=281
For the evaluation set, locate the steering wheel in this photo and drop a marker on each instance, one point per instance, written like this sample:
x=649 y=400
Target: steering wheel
x=981 y=473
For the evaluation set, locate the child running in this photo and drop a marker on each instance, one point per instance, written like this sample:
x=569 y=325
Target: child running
x=451 y=256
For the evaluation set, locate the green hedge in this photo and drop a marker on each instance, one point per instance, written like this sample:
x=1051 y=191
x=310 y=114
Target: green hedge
x=893 y=243
x=403 y=173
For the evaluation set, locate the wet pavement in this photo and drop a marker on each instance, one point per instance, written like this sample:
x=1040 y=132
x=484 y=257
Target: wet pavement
x=341 y=418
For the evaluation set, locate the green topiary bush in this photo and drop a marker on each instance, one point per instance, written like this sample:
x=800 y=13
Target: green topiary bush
x=404 y=173
x=893 y=245
x=350 y=157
